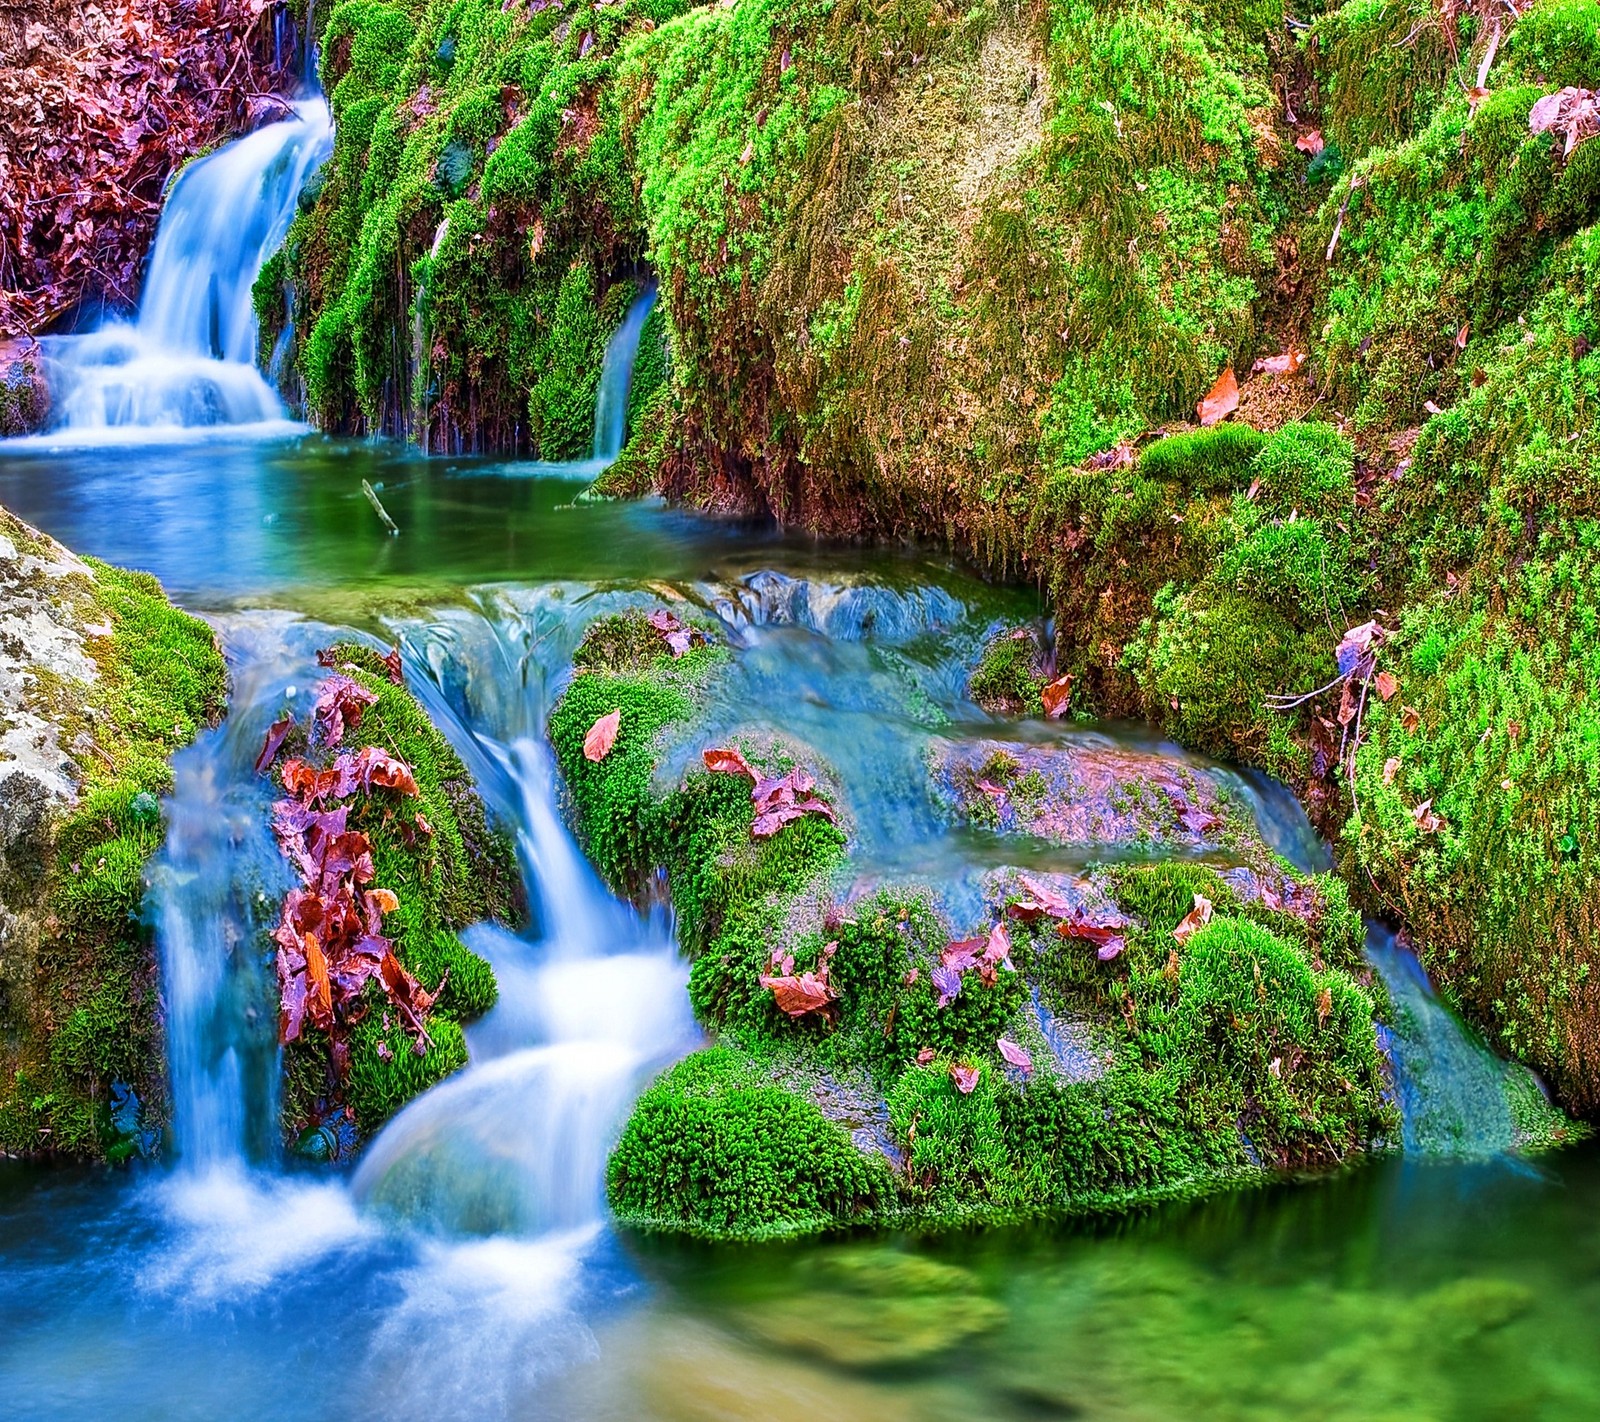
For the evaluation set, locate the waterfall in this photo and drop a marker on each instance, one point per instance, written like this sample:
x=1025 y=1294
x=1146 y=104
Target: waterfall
x=188 y=360
x=215 y=886
x=1453 y=1092
x=616 y=378
x=590 y=1003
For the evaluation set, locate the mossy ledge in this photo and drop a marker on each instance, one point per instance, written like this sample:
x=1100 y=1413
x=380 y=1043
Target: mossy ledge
x=458 y=871
x=951 y=271
x=79 y=1003
x=1247 y=1050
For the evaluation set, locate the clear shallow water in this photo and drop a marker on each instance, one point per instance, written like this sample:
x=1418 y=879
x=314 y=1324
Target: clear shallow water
x=475 y=1287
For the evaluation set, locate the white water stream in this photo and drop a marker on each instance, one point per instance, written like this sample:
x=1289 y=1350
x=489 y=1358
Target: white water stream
x=187 y=362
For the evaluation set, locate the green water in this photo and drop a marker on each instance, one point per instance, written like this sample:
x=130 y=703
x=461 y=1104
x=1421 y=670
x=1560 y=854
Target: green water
x=1405 y=1289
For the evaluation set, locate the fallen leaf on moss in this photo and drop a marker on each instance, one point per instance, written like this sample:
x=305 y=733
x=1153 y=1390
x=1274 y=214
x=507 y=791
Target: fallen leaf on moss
x=1570 y=111
x=1310 y=142
x=1410 y=718
x=272 y=743
x=725 y=760
x=1108 y=938
x=947 y=983
x=1057 y=696
x=391 y=664
x=1019 y=1057
x=799 y=994
x=1386 y=684
x=602 y=736
x=340 y=704
x=1196 y=819
x=1426 y=819
x=1193 y=921
x=679 y=639
x=925 y=1055
x=1356 y=648
x=1286 y=364
x=965 y=1078
x=1222 y=400
x=1462 y=334
x=1391 y=767
x=1042 y=901
x=1324 y=1006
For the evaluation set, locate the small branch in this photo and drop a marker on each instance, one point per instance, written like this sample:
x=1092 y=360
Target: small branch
x=378 y=508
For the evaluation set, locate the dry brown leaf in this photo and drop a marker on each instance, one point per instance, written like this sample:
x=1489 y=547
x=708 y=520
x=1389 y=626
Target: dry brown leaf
x=1386 y=684
x=1391 y=768
x=1057 y=697
x=1222 y=400
x=1193 y=921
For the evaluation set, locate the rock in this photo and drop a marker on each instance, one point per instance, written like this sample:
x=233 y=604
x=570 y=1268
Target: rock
x=24 y=391
x=1080 y=794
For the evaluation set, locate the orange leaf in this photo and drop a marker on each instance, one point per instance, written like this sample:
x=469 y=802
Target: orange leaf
x=1223 y=399
x=1286 y=364
x=1391 y=768
x=602 y=736
x=320 y=1000
x=1057 y=696
x=728 y=761
x=799 y=994
x=1387 y=684
x=1310 y=142
x=1193 y=921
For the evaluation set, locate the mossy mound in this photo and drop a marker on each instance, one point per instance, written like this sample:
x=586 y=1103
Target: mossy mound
x=81 y=1028
x=1250 y=1047
x=456 y=872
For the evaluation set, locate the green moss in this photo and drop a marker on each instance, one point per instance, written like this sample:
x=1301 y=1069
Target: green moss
x=1206 y=460
x=715 y=1148
x=1009 y=677
x=87 y=1017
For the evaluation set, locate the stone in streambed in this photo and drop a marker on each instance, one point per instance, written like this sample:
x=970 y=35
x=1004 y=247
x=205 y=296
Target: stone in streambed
x=1080 y=794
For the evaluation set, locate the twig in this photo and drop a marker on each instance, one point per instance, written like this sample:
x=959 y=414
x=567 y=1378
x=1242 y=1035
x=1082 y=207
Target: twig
x=1338 y=222
x=378 y=508
x=1278 y=702
x=1488 y=57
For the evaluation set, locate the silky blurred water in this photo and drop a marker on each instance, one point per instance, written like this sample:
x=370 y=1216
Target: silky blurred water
x=468 y=1271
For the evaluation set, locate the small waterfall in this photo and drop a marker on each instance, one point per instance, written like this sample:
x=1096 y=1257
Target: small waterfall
x=1453 y=1092
x=616 y=378
x=589 y=1005
x=214 y=886
x=188 y=360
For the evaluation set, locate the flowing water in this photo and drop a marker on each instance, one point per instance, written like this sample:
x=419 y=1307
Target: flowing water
x=187 y=362
x=466 y=1268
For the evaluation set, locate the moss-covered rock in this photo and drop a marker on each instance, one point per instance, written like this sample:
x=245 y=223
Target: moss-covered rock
x=448 y=870
x=102 y=680
x=1168 y=1069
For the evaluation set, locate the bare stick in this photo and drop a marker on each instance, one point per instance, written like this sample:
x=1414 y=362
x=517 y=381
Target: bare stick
x=378 y=508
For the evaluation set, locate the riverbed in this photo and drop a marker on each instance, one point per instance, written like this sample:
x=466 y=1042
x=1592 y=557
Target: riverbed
x=228 y=1283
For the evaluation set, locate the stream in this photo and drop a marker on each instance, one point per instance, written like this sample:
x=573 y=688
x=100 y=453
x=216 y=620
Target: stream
x=466 y=1267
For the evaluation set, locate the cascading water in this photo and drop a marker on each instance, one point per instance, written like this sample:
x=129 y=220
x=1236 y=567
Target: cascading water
x=516 y=1144
x=188 y=360
x=616 y=378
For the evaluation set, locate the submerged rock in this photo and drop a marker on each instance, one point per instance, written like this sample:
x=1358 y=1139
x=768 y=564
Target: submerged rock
x=1081 y=793
x=24 y=391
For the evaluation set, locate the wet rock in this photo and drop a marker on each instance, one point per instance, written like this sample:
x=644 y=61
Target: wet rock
x=1080 y=794
x=24 y=391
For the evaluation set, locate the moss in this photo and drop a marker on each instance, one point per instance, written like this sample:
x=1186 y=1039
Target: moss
x=461 y=873
x=1206 y=460
x=1009 y=675
x=88 y=1019
x=715 y=1148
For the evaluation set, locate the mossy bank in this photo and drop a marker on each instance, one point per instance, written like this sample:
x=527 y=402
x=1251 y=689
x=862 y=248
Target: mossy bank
x=952 y=272
x=103 y=680
x=1182 y=1062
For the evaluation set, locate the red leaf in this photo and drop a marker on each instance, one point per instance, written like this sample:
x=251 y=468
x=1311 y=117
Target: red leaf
x=925 y=1055
x=728 y=761
x=273 y=743
x=1107 y=937
x=339 y=706
x=799 y=994
x=391 y=664
x=1057 y=696
x=1019 y=1057
x=1044 y=901
x=602 y=736
x=1223 y=399
x=1387 y=684
x=375 y=768
x=965 y=1078
x=1310 y=142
